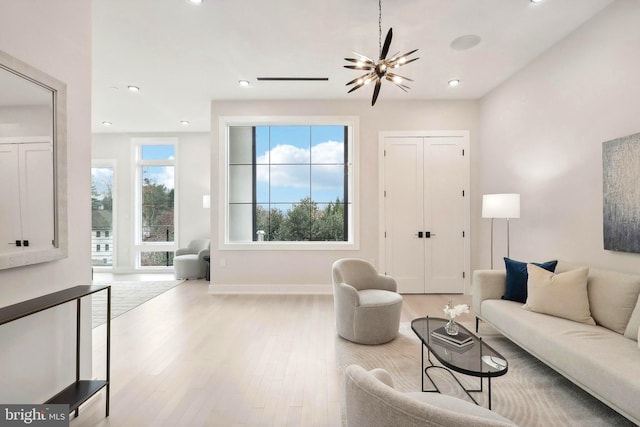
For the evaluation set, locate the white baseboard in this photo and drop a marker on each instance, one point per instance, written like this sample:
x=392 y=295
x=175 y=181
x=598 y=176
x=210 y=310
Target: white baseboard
x=218 y=289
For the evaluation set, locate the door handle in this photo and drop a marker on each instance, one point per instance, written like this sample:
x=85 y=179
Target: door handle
x=428 y=234
x=419 y=234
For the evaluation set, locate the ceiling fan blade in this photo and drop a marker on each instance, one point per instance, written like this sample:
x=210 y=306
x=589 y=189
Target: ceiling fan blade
x=376 y=91
x=387 y=43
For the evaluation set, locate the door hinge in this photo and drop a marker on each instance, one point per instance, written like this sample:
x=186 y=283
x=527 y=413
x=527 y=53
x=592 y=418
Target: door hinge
x=463 y=151
x=462 y=233
x=385 y=193
x=384 y=153
x=462 y=193
x=463 y=275
x=385 y=234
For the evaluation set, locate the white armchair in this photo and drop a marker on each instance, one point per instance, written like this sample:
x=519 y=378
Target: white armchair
x=366 y=303
x=372 y=401
x=189 y=263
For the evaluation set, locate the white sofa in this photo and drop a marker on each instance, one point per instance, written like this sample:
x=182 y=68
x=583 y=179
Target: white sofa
x=603 y=359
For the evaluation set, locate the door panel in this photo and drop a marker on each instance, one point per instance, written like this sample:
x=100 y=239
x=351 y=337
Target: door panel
x=403 y=212
x=444 y=216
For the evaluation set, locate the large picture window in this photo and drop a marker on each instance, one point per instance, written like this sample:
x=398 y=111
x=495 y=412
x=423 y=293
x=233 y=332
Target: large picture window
x=290 y=183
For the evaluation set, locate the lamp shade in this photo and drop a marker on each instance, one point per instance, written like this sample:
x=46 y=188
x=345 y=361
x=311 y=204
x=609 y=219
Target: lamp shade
x=501 y=206
x=206 y=202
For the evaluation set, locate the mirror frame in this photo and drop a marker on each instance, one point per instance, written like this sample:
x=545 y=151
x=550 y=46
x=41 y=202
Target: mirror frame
x=59 y=91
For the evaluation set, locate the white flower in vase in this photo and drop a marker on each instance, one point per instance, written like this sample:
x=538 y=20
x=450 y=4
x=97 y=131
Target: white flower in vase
x=453 y=312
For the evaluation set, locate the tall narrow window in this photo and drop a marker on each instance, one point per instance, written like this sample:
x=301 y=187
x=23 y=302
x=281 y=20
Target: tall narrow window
x=102 y=214
x=289 y=183
x=156 y=204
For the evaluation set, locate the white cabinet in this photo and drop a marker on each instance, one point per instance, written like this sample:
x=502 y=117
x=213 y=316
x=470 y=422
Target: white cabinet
x=26 y=195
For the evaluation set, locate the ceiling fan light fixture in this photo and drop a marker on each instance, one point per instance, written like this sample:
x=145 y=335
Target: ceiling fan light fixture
x=377 y=71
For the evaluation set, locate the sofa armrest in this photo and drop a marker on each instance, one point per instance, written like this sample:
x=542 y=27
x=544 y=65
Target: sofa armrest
x=487 y=284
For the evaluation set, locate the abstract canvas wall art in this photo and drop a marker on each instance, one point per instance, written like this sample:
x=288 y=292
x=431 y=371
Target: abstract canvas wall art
x=621 y=193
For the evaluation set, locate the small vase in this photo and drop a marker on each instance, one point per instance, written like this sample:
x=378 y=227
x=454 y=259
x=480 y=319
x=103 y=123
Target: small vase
x=452 y=327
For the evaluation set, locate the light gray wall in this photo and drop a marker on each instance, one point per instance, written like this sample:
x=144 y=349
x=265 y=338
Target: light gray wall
x=314 y=267
x=37 y=354
x=542 y=134
x=192 y=183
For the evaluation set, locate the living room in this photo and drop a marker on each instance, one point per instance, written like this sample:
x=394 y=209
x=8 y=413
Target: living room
x=539 y=133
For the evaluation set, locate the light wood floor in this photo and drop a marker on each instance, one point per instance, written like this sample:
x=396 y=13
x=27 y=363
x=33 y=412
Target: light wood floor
x=187 y=358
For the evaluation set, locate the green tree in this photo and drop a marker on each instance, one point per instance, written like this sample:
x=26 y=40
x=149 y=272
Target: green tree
x=157 y=211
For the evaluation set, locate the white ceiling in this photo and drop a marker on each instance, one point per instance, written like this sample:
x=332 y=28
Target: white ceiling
x=183 y=56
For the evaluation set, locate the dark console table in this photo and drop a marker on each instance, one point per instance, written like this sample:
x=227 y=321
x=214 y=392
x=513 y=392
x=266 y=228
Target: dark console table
x=80 y=390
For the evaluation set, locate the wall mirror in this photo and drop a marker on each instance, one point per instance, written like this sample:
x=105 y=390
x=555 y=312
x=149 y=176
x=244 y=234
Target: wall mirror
x=33 y=147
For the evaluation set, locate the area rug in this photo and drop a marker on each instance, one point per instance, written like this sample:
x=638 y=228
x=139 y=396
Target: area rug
x=126 y=296
x=530 y=394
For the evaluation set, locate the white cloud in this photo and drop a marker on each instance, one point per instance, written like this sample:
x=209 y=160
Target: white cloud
x=283 y=174
x=164 y=175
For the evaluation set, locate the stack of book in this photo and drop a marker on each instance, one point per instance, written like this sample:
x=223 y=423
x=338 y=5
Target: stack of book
x=460 y=340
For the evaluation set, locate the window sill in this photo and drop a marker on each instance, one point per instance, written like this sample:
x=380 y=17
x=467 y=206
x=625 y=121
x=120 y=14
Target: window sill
x=289 y=246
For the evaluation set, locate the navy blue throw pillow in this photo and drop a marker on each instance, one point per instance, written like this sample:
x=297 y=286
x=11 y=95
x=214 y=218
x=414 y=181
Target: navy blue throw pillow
x=517 y=277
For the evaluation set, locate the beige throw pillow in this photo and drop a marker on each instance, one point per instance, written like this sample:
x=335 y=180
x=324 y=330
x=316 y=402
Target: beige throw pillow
x=562 y=295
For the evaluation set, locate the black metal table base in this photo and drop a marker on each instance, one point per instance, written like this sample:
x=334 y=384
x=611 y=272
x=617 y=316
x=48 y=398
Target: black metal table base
x=437 y=390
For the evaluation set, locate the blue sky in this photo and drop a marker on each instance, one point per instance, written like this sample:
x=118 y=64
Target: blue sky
x=289 y=158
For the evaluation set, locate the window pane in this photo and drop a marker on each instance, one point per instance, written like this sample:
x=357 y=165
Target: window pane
x=327 y=183
x=290 y=144
x=328 y=225
x=156 y=259
x=157 y=204
x=241 y=222
x=241 y=145
x=290 y=184
x=158 y=152
x=240 y=184
x=262 y=184
x=263 y=145
x=101 y=215
x=327 y=144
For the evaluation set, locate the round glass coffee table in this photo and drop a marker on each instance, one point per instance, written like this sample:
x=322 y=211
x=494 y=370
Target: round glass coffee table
x=476 y=359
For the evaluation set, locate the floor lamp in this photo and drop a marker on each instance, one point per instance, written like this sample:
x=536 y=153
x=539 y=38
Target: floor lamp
x=500 y=206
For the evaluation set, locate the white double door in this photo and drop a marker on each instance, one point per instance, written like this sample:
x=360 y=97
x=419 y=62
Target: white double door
x=424 y=213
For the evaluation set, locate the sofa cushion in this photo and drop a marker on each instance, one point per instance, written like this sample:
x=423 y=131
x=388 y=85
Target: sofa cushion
x=612 y=298
x=561 y=295
x=634 y=322
x=516 y=280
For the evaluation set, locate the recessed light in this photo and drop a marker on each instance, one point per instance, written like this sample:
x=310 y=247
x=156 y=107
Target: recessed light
x=243 y=83
x=194 y=1
x=106 y=123
x=185 y=122
x=133 y=88
x=454 y=82
x=535 y=1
